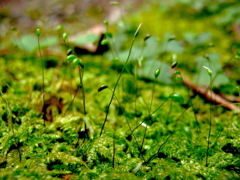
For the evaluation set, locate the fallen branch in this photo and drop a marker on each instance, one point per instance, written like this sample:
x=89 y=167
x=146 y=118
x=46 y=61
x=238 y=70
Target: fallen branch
x=209 y=95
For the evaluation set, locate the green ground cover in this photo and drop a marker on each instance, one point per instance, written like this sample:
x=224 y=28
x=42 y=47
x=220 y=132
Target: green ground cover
x=125 y=114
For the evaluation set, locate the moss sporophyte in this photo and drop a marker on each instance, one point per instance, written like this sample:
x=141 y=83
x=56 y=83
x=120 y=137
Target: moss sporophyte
x=146 y=108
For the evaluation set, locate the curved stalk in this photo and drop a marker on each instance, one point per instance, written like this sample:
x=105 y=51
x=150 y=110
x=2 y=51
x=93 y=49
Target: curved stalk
x=115 y=87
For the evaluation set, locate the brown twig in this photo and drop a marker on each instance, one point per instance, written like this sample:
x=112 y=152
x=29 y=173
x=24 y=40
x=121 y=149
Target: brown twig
x=209 y=95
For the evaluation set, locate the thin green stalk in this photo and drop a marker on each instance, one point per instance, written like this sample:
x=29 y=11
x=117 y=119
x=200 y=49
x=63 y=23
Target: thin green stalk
x=42 y=68
x=210 y=114
x=127 y=122
x=170 y=109
x=114 y=49
x=210 y=123
x=38 y=32
x=75 y=95
x=82 y=88
x=114 y=89
x=149 y=160
x=135 y=100
x=111 y=41
x=136 y=73
x=80 y=71
x=204 y=51
x=163 y=53
x=149 y=116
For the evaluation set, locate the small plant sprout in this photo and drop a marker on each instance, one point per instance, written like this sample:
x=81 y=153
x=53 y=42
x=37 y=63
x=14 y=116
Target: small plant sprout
x=236 y=56
x=110 y=41
x=101 y=88
x=115 y=87
x=76 y=62
x=177 y=98
x=156 y=74
x=38 y=33
x=115 y=3
x=141 y=58
x=174 y=64
x=209 y=71
x=140 y=61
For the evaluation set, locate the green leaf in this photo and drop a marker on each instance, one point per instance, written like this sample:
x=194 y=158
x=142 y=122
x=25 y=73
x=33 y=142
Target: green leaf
x=29 y=42
x=89 y=38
